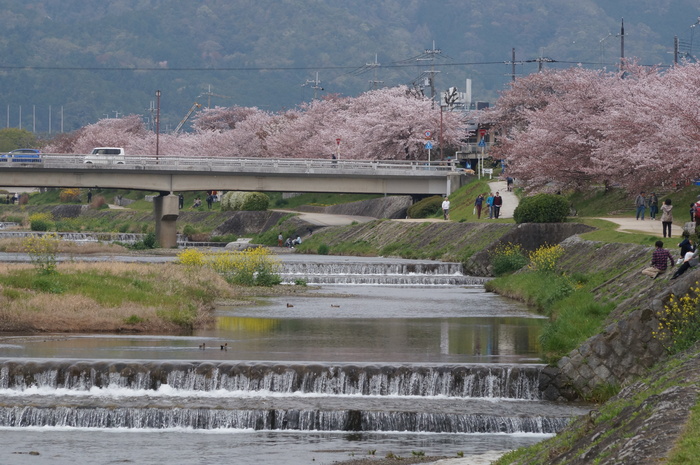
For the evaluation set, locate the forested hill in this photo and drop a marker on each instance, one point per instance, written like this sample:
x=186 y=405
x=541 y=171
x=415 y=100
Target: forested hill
x=94 y=59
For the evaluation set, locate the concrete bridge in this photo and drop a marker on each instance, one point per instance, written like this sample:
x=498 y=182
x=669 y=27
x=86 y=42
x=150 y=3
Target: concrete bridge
x=168 y=175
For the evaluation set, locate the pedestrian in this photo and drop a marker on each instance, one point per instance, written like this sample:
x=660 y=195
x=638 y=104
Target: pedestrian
x=692 y=213
x=478 y=205
x=446 y=208
x=666 y=216
x=653 y=205
x=489 y=204
x=181 y=200
x=641 y=203
x=497 y=204
x=89 y=196
x=660 y=259
x=509 y=183
x=280 y=240
x=210 y=201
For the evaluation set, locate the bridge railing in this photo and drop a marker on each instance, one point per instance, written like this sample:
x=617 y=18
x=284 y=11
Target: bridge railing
x=228 y=164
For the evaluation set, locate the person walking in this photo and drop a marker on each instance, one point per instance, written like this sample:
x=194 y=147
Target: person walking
x=181 y=201
x=666 y=217
x=446 y=208
x=653 y=205
x=641 y=203
x=660 y=259
x=497 y=204
x=478 y=205
x=489 y=204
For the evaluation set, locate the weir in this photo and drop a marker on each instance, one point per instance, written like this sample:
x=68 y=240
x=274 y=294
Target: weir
x=265 y=396
x=494 y=381
x=420 y=274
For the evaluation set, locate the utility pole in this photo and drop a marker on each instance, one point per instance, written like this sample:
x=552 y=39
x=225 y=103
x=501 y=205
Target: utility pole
x=512 y=64
x=430 y=55
x=316 y=84
x=622 y=43
x=373 y=83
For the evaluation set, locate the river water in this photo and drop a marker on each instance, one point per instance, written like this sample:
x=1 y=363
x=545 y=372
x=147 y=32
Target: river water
x=415 y=359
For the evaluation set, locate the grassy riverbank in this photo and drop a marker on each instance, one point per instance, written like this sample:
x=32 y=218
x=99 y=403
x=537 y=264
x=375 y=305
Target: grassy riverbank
x=108 y=297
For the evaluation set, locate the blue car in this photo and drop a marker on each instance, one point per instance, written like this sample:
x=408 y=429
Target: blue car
x=22 y=156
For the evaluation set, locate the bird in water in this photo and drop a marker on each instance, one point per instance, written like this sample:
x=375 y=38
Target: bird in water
x=335 y=306
x=202 y=346
x=224 y=347
x=289 y=305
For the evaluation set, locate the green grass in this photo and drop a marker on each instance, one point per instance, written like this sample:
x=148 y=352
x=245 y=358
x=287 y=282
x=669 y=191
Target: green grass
x=687 y=449
x=574 y=314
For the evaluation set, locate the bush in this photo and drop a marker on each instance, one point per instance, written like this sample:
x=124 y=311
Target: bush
x=41 y=222
x=426 y=208
x=542 y=208
x=507 y=258
x=323 y=249
x=255 y=201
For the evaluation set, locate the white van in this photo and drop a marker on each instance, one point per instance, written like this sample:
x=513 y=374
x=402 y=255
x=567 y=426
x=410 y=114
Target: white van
x=105 y=156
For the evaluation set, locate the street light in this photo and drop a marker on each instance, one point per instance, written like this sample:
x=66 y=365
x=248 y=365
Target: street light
x=157 y=123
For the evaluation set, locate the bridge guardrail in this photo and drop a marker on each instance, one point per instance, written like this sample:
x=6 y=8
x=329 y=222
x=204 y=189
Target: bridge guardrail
x=281 y=165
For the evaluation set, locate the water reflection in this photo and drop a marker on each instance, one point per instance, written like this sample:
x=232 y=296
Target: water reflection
x=439 y=340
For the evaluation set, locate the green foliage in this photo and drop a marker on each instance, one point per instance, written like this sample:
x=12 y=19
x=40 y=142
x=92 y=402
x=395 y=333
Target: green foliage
x=300 y=282
x=255 y=201
x=426 y=208
x=323 y=249
x=41 y=222
x=133 y=320
x=148 y=242
x=250 y=267
x=542 y=208
x=42 y=251
x=679 y=321
x=507 y=258
x=245 y=201
x=13 y=138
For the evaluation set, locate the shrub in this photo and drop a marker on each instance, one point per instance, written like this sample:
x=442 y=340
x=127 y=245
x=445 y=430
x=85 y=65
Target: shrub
x=679 y=322
x=148 y=242
x=545 y=257
x=255 y=201
x=323 y=249
x=69 y=195
x=42 y=251
x=98 y=203
x=251 y=267
x=425 y=208
x=41 y=222
x=507 y=258
x=542 y=208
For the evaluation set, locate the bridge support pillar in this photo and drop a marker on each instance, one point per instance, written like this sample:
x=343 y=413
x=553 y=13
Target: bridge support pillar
x=454 y=182
x=166 y=210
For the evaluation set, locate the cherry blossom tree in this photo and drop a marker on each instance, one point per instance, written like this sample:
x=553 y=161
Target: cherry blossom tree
x=573 y=128
x=380 y=125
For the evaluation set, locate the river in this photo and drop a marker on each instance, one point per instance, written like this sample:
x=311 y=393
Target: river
x=385 y=357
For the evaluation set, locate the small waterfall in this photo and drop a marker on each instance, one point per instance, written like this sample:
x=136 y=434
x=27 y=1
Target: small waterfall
x=462 y=381
x=301 y=420
x=427 y=274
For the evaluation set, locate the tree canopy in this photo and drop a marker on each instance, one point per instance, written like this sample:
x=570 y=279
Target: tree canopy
x=377 y=125
x=639 y=129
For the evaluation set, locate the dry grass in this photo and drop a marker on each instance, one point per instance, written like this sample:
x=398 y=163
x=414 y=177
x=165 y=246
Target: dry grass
x=67 y=247
x=174 y=292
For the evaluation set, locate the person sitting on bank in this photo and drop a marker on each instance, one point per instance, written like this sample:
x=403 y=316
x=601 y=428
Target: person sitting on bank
x=660 y=259
x=690 y=260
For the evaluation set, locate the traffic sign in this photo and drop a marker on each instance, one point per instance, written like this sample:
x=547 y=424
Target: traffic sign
x=428 y=134
x=482 y=143
x=428 y=145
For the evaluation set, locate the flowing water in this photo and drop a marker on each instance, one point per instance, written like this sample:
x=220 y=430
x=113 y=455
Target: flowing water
x=387 y=356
